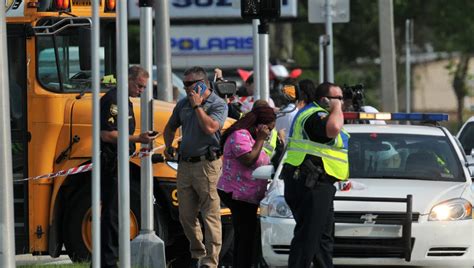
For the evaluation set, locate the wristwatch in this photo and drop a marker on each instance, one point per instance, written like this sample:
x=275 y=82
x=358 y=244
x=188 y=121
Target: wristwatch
x=197 y=106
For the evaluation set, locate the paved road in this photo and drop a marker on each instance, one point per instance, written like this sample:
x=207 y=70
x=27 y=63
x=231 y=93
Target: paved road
x=28 y=259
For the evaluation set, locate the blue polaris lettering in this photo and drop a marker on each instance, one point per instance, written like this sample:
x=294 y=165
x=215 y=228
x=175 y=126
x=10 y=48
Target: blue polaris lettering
x=248 y=43
x=233 y=42
x=212 y=44
x=186 y=44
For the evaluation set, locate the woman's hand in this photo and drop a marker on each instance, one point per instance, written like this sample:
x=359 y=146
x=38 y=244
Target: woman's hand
x=262 y=132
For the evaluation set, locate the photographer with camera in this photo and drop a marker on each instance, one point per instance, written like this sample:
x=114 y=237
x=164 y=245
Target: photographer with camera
x=354 y=102
x=201 y=116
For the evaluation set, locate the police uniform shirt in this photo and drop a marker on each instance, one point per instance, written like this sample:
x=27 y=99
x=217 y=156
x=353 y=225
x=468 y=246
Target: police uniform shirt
x=195 y=142
x=109 y=118
x=315 y=127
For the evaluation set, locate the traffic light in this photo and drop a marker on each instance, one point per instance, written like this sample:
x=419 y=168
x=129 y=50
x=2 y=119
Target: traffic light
x=260 y=9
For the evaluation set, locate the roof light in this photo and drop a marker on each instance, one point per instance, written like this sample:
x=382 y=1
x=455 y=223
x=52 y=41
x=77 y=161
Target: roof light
x=110 y=5
x=61 y=5
x=396 y=116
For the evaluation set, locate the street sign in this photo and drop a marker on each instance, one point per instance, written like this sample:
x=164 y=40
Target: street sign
x=317 y=11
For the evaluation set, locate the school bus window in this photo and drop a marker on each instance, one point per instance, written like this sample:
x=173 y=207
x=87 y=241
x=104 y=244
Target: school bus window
x=61 y=65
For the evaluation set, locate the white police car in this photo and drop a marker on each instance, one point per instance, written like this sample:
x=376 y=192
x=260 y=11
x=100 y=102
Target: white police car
x=408 y=200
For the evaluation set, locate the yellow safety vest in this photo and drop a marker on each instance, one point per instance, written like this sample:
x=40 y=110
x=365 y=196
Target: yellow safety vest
x=333 y=154
x=271 y=143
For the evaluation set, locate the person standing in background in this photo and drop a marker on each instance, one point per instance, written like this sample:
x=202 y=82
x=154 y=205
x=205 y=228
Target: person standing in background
x=243 y=152
x=201 y=116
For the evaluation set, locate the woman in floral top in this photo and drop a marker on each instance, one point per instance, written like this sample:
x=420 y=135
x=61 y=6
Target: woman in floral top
x=243 y=143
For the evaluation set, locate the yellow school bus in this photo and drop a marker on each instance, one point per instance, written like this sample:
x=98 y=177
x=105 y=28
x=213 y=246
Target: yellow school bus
x=51 y=113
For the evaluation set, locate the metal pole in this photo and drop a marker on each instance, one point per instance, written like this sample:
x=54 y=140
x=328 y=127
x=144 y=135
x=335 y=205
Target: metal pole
x=329 y=47
x=95 y=45
x=256 y=60
x=163 y=51
x=408 y=64
x=387 y=57
x=7 y=246
x=123 y=137
x=264 y=58
x=146 y=60
x=322 y=46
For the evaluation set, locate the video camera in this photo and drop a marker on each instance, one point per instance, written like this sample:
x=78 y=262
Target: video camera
x=355 y=94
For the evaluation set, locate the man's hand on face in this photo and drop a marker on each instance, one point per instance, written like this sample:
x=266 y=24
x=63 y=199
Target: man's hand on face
x=335 y=104
x=195 y=98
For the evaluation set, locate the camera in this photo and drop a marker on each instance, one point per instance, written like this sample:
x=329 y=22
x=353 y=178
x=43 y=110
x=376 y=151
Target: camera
x=355 y=94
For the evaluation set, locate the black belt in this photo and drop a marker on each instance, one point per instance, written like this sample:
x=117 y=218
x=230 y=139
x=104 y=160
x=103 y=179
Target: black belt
x=194 y=159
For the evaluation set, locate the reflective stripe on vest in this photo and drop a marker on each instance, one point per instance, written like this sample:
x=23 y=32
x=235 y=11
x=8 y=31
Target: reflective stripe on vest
x=271 y=143
x=334 y=157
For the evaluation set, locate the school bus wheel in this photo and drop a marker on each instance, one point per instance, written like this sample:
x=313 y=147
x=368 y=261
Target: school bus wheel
x=77 y=232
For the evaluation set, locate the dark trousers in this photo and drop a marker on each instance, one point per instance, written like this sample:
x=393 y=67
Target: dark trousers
x=109 y=213
x=244 y=221
x=313 y=212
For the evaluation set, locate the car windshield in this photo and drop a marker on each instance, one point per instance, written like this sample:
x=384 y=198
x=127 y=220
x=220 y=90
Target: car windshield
x=466 y=138
x=402 y=156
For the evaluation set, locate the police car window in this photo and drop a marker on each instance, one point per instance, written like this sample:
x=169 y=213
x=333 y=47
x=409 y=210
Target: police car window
x=467 y=138
x=403 y=156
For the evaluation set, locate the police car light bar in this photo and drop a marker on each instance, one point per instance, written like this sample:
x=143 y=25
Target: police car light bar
x=396 y=116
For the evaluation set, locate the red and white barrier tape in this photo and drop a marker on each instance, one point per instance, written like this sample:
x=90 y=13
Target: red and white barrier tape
x=143 y=152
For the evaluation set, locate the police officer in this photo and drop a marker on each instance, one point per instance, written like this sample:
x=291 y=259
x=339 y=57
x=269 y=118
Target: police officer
x=137 y=80
x=316 y=158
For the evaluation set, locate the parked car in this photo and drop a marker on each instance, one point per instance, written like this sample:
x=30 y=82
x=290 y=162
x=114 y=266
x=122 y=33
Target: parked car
x=408 y=201
x=466 y=137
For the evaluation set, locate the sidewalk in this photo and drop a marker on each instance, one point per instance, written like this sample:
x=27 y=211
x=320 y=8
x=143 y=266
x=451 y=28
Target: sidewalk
x=28 y=259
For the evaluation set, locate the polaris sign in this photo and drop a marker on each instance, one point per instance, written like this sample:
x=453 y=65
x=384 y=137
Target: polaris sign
x=212 y=46
x=207 y=9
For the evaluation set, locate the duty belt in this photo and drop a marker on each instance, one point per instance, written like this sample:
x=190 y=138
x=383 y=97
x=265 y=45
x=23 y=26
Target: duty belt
x=194 y=159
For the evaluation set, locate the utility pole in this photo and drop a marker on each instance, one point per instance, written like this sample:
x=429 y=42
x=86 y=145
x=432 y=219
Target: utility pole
x=323 y=42
x=163 y=51
x=327 y=12
x=7 y=246
x=264 y=57
x=329 y=46
x=123 y=143
x=147 y=248
x=256 y=60
x=408 y=41
x=387 y=57
x=95 y=47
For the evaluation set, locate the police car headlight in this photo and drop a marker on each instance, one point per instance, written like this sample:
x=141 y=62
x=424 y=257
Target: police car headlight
x=451 y=210
x=276 y=207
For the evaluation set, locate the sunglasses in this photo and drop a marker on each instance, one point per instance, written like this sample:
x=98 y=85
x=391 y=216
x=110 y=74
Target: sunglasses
x=190 y=83
x=341 y=98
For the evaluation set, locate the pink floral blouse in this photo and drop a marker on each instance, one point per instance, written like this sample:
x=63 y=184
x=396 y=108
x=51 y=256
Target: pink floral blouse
x=237 y=178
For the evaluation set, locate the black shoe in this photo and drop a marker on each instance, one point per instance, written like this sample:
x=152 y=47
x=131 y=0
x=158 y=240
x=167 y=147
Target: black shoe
x=204 y=266
x=194 y=263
